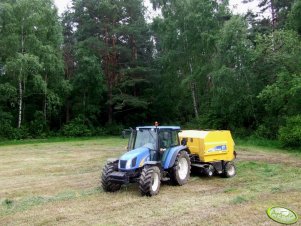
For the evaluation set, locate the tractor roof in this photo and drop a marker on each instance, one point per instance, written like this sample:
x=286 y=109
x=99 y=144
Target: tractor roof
x=160 y=127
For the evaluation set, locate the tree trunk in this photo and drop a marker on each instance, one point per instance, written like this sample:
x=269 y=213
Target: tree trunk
x=84 y=104
x=274 y=16
x=193 y=94
x=20 y=102
x=20 y=79
x=67 y=111
x=45 y=99
x=110 y=113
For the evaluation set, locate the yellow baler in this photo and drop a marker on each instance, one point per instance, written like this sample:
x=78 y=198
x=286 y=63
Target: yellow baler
x=212 y=151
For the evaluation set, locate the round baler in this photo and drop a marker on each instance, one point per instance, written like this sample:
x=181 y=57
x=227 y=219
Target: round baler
x=211 y=151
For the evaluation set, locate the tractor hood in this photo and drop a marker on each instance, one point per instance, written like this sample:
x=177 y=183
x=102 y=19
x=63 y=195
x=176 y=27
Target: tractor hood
x=133 y=159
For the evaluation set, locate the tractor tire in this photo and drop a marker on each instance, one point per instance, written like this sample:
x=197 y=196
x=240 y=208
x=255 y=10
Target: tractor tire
x=106 y=184
x=150 y=180
x=180 y=172
x=229 y=170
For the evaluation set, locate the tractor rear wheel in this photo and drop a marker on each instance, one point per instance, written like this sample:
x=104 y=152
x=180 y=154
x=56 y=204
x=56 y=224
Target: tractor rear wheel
x=108 y=185
x=229 y=170
x=150 y=180
x=181 y=170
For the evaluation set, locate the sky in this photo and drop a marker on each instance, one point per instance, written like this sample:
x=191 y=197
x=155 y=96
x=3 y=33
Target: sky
x=236 y=5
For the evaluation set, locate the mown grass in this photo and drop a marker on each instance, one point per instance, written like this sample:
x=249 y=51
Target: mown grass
x=58 y=183
x=10 y=206
x=108 y=139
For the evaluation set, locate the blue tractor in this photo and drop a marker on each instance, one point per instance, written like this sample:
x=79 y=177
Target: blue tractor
x=154 y=155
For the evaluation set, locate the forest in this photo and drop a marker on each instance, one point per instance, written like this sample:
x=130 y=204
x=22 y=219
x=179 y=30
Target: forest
x=103 y=66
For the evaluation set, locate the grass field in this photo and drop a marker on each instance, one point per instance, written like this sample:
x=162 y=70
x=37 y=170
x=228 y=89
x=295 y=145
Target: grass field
x=58 y=183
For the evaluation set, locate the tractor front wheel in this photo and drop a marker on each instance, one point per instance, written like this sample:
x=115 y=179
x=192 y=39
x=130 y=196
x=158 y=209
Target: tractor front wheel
x=107 y=185
x=150 y=180
x=181 y=170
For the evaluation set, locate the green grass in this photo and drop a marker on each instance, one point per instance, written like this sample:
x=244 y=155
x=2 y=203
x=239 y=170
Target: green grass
x=258 y=142
x=239 y=199
x=272 y=146
x=55 y=140
x=10 y=206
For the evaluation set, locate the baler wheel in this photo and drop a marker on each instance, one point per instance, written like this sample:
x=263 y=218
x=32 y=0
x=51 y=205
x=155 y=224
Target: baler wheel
x=209 y=171
x=229 y=170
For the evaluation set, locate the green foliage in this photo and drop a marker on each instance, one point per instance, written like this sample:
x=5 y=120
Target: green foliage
x=6 y=129
x=232 y=85
x=294 y=20
x=114 y=129
x=267 y=129
x=20 y=133
x=280 y=99
x=197 y=66
x=80 y=127
x=290 y=134
x=38 y=127
x=30 y=42
x=77 y=128
x=112 y=50
x=186 y=40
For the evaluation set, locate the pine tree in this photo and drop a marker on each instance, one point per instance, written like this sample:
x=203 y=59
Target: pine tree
x=116 y=35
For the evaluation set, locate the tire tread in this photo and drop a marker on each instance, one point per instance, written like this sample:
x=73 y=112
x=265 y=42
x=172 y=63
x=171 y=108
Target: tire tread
x=106 y=184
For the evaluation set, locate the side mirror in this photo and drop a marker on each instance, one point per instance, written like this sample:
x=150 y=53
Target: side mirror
x=184 y=141
x=123 y=134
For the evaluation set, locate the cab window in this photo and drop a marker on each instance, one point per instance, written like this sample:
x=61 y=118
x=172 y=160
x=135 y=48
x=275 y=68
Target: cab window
x=168 y=138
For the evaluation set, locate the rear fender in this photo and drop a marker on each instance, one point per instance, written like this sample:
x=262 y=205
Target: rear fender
x=170 y=156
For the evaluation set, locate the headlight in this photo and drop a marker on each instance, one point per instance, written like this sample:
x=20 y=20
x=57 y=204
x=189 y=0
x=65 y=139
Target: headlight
x=128 y=164
x=134 y=161
x=131 y=163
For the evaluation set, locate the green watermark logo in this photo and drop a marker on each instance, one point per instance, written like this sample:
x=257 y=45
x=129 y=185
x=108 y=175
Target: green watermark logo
x=282 y=215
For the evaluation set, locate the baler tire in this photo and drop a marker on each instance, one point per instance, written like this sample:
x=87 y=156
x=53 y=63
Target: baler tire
x=209 y=171
x=106 y=184
x=150 y=180
x=229 y=170
x=175 y=176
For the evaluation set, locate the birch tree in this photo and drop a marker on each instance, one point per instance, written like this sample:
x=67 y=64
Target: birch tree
x=30 y=42
x=187 y=34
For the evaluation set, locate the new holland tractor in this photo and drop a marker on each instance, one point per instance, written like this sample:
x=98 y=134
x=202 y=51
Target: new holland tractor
x=161 y=153
x=154 y=155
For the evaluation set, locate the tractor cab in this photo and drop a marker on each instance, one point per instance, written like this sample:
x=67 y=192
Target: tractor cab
x=155 y=138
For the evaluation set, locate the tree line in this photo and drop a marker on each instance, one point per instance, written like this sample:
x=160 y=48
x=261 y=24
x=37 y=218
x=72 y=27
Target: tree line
x=101 y=67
